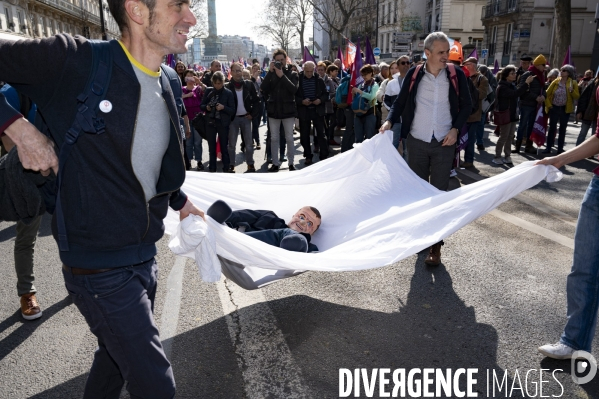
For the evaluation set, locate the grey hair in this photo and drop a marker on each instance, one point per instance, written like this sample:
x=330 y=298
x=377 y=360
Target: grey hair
x=554 y=73
x=383 y=65
x=433 y=37
x=570 y=69
x=308 y=63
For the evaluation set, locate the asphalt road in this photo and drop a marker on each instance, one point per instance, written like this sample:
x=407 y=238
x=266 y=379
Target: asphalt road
x=499 y=294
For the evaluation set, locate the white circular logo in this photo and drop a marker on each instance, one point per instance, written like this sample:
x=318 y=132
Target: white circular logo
x=106 y=106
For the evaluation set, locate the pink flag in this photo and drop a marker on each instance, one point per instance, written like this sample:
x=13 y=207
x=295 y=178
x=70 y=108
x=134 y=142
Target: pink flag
x=308 y=56
x=567 y=58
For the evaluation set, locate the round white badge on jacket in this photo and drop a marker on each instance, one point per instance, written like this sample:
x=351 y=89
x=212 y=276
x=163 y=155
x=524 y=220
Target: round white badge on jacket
x=106 y=106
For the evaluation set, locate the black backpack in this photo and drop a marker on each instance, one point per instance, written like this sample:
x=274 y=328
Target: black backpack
x=89 y=120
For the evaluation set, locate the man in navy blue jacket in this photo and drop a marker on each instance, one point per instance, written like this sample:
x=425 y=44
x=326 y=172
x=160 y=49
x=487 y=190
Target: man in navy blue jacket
x=116 y=185
x=434 y=105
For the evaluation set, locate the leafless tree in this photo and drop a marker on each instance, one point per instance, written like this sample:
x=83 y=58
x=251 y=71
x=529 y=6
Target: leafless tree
x=301 y=10
x=335 y=15
x=563 y=31
x=279 y=23
x=199 y=8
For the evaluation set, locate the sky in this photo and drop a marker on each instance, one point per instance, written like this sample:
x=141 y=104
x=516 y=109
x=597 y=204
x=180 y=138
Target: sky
x=239 y=17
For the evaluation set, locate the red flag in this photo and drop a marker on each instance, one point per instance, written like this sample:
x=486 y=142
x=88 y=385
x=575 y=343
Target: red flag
x=539 y=129
x=356 y=78
x=350 y=54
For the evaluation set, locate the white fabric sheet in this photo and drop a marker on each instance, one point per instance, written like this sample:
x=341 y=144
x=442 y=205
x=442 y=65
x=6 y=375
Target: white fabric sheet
x=375 y=210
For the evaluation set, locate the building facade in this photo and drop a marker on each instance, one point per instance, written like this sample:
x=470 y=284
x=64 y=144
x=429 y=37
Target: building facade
x=400 y=24
x=44 y=18
x=458 y=19
x=517 y=27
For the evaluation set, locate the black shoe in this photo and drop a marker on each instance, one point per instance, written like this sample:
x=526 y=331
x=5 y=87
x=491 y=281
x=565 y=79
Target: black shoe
x=283 y=159
x=273 y=168
x=546 y=151
x=291 y=168
x=480 y=147
x=258 y=146
x=559 y=151
x=308 y=161
x=251 y=169
x=231 y=169
x=199 y=167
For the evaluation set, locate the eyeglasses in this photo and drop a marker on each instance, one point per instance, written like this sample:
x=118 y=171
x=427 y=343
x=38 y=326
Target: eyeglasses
x=404 y=62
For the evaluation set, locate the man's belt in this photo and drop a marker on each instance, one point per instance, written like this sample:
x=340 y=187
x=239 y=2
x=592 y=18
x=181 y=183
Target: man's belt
x=241 y=116
x=78 y=271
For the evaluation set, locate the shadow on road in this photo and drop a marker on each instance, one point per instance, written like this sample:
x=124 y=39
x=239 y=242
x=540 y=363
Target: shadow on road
x=434 y=328
x=18 y=336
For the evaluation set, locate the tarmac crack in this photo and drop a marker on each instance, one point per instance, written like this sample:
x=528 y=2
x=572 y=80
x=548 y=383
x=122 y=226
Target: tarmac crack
x=236 y=326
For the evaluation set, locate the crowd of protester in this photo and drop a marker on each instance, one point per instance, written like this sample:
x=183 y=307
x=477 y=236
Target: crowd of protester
x=311 y=99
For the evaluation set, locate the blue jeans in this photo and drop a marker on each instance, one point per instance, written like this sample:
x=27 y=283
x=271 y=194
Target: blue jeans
x=349 y=138
x=583 y=280
x=118 y=307
x=527 y=120
x=396 y=128
x=472 y=139
x=584 y=129
x=364 y=127
x=194 y=145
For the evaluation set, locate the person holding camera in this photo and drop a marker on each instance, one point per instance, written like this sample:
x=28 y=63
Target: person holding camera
x=219 y=105
x=310 y=99
x=279 y=86
x=246 y=108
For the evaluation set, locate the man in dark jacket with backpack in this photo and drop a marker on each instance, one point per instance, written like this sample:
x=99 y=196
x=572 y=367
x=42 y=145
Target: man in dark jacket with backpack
x=434 y=104
x=310 y=99
x=125 y=168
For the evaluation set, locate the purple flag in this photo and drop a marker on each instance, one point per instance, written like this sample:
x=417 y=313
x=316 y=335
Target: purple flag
x=308 y=56
x=369 y=54
x=340 y=56
x=473 y=54
x=496 y=68
x=567 y=58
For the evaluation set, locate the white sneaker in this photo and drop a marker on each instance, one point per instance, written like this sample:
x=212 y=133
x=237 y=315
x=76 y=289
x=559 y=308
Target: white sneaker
x=453 y=173
x=497 y=161
x=557 y=351
x=507 y=160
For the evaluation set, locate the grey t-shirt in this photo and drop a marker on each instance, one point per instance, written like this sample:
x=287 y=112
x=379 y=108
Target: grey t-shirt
x=152 y=131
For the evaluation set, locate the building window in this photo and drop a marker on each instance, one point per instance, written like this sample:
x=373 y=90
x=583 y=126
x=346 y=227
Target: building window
x=478 y=43
x=507 y=44
x=493 y=41
x=9 y=21
x=43 y=25
x=52 y=27
x=21 y=20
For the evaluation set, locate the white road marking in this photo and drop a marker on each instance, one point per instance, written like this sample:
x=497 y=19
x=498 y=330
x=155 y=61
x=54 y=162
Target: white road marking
x=172 y=304
x=543 y=232
x=564 y=217
x=263 y=356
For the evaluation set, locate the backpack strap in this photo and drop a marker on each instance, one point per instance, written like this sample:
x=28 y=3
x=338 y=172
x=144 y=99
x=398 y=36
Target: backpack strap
x=86 y=120
x=453 y=77
x=414 y=75
x=172 y=92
